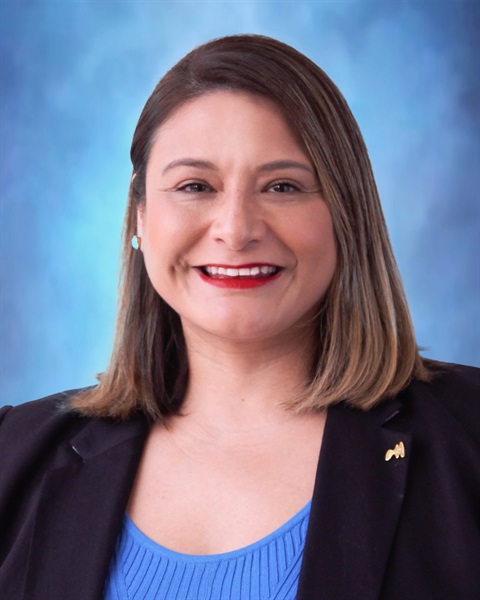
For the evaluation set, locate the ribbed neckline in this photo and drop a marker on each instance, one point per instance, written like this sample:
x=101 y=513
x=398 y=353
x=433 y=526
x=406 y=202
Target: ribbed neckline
x=132 y=530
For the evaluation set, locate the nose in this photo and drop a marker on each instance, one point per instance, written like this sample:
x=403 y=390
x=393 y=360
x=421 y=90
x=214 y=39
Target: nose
x=238 y=221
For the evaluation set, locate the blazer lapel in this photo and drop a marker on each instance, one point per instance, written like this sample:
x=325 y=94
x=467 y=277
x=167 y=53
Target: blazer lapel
x=80 y=511
x=356 y=505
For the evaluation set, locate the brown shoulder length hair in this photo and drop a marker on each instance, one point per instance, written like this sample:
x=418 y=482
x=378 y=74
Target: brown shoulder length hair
x=366 y=349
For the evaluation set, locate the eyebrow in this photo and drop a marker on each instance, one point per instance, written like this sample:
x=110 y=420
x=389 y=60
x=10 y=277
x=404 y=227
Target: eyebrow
x=272 y=166
x=189 y=162
x=285 y=164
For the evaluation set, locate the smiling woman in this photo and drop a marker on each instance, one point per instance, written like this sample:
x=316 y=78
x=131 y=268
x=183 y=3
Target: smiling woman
x=266 y=428
x=364 y=308
x=244 y=213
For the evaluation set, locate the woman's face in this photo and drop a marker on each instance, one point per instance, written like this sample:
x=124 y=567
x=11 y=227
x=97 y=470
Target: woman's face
x=235 y=234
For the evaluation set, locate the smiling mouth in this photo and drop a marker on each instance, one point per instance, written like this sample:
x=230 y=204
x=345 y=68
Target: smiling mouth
x=241 y=277
x=243 y=272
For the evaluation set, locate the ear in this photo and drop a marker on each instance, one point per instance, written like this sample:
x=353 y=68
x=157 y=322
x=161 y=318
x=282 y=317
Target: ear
x=140 y=211
x=140 y=215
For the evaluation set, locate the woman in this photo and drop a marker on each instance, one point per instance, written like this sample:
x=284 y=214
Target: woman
x=262 y=325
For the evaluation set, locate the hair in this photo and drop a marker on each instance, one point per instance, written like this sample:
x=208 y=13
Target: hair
x=365 y=343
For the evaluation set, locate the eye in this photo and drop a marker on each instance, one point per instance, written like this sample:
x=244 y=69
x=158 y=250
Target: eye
x=283 y=187
x=195 y=187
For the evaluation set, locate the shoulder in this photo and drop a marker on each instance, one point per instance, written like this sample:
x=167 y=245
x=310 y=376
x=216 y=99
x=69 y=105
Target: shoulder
x=440 y=423
x=46 y=434
x=452 y=379
x=456 y=387
x=31 y=432
x=33 y=418
x=453 y=393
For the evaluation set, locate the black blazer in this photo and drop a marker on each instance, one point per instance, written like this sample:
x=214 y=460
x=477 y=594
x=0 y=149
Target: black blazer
x=403 y=529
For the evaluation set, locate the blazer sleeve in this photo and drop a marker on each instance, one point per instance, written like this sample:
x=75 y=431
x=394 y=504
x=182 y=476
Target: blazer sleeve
x=3 y=412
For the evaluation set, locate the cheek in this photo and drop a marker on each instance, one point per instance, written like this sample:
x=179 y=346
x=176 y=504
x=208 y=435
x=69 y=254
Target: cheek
x=313 y=237
x=169 y=234
x=165 y=225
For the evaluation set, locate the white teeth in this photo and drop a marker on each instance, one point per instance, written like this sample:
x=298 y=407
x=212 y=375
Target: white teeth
x=241 y=272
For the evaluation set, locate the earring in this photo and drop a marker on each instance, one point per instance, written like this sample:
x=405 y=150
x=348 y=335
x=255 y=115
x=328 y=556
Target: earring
x=137 y=242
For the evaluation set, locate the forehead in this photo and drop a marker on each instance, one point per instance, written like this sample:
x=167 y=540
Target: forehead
x=231 y=119
x=213 y=100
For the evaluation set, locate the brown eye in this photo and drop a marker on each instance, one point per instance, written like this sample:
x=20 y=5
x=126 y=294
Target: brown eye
x=283 y=187
x=195 y=187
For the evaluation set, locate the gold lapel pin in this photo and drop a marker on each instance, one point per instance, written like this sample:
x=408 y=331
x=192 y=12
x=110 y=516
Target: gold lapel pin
x=397 y=452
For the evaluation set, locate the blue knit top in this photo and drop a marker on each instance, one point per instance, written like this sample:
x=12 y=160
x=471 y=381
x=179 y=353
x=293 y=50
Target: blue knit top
x=265 y=570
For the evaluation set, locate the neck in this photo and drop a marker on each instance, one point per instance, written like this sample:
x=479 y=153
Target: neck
x=237 y=386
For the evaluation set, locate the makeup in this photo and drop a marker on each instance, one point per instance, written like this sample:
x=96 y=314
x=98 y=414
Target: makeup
x=239 y=277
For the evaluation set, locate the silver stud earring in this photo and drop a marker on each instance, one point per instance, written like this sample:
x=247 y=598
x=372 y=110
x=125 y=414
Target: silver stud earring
x=136 y=242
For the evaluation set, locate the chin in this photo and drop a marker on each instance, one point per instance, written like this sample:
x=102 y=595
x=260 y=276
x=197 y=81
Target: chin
x=243 y=331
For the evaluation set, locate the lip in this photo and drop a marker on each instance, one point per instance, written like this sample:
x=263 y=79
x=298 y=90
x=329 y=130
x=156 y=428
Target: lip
x=238 y=283
x=242 y=266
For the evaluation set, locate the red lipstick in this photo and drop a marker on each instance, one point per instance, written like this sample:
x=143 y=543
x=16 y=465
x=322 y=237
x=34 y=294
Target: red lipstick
x=239 y=277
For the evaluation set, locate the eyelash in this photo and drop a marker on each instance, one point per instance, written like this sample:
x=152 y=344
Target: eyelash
x=295 y=187
x=197 y=184
x=207 y=188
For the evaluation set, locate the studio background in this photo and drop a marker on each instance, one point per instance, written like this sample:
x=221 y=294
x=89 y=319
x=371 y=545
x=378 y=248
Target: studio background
x=75 y=76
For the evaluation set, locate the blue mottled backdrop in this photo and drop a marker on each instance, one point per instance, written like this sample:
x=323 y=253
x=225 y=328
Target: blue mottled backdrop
x=75 y=75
